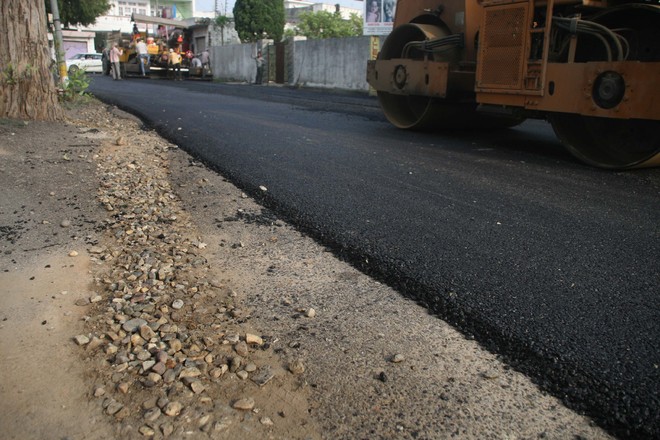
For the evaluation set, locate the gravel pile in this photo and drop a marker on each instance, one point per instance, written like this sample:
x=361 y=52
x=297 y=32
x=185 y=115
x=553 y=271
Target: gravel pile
x=174 y=349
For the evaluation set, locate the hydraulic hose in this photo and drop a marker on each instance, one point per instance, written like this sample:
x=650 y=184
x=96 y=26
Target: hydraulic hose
x=575 y=25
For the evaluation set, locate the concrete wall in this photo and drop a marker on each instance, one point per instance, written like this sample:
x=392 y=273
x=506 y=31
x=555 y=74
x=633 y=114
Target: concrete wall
x=77 y=42
x=338 y=63
x=235 y=62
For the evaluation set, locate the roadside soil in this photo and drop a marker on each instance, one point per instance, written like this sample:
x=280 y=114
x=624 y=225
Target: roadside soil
x=143 y=295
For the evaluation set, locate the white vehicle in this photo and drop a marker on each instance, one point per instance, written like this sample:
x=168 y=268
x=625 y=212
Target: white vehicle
x=90 y=62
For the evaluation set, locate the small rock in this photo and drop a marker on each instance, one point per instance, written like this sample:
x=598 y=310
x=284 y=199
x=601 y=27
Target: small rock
x=99 y=391
x=173 y=409
x=244 y=404
x=241 y=349
x=122 y=413
x=81 y=339
x=162 y=402
x=82 y=302
x=232 y=338
x=73 y=254
x=154 y=378
x=311 y=313
x=242 y=374
x=218 y=372
x=152 y=414
x=263 y=376
x=190 y=372
x=167 y=429
x=113 y=408
x=177 y=304
x=133 y=325
x=204 y=420
x=162 y=356
x=397 y=358
x=175 y=345
x=146 y=332
x=266 y=421
x=490 y=374
x=169 y=376
x=150 y=403
x=146 y=431
x=65 y=223
x=297 y=367
x=123 y=387
x=159 y=368
x=251 y=339
x=197 y=387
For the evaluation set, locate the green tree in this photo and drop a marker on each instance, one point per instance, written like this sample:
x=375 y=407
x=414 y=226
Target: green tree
x=222 y=21
x=84 y=12
x=259 y=19
x=324 y=24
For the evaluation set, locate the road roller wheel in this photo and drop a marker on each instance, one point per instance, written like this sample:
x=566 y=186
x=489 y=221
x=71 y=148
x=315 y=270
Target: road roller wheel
x=616 y=143
x=609 y=143
x=405 y=111
x=423 y=112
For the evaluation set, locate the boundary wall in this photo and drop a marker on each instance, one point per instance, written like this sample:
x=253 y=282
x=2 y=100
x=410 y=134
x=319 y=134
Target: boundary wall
x=335 y=63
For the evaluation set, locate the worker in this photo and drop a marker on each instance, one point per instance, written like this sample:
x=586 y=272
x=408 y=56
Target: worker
x=175 y=63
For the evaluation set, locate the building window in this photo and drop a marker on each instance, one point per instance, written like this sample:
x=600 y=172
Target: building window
x=142 y=11
x=121 y=10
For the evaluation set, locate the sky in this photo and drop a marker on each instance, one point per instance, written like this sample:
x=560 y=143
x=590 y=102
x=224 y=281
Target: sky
x=209 y=5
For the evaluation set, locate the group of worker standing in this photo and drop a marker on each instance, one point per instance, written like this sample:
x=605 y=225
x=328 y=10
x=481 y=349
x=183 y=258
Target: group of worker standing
x=174 y=60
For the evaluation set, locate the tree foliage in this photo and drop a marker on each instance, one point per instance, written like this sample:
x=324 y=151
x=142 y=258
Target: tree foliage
x=84 y=12
x=259 y=19
x=324 y=24
x=222 y=20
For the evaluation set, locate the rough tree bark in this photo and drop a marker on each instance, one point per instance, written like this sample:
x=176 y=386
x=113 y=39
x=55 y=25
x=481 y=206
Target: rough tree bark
x=27 y=86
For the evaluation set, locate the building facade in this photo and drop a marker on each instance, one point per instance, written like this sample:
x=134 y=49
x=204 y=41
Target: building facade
x=205 y=34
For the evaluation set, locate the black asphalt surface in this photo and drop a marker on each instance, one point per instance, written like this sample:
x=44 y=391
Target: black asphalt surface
x=550 y=263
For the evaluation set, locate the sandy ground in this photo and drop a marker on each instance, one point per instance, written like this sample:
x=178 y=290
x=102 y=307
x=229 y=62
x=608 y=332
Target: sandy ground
x=441 y=385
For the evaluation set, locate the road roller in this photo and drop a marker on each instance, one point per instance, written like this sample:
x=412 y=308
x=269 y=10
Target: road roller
x=591 y=68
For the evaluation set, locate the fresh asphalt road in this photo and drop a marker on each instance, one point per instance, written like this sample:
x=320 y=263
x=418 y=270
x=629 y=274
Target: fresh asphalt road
x=548 y=262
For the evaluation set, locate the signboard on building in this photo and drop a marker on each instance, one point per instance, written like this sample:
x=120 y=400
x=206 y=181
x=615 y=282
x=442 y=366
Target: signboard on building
x=379 y=16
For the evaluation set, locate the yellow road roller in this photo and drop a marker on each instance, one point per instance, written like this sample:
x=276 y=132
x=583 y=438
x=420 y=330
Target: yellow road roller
x=591 y=68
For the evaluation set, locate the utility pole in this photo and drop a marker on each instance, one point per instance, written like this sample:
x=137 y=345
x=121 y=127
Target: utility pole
x=59 y=44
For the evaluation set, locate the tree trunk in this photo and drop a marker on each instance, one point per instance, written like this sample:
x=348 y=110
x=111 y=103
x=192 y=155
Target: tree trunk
x=27 y=86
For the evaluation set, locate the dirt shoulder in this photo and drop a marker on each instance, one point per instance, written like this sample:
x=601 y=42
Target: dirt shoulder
x=143 y=295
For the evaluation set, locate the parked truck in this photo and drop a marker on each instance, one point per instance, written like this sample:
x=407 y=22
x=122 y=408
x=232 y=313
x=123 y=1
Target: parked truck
x=591 y=68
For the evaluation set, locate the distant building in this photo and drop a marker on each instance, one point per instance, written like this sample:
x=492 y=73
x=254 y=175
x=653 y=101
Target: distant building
x=293 y=9
x=204 y=34
x=118 y=17
x=117 y=21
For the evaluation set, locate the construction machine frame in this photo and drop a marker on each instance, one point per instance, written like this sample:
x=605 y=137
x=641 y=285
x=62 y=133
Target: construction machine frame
x=591 y=68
